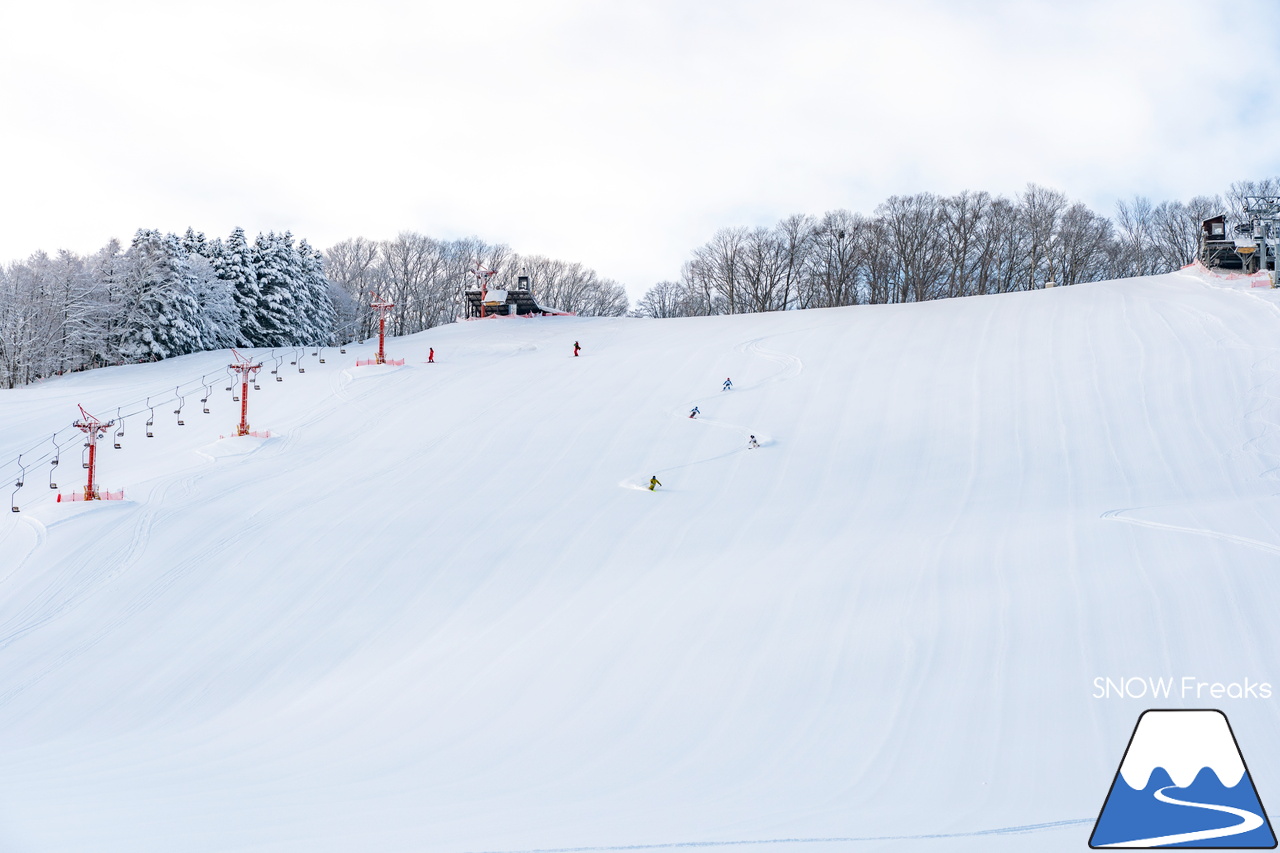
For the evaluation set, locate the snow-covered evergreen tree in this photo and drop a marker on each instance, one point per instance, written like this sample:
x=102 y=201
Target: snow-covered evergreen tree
x=318 y=304
x=235 y=264
x=195 y=243
x=276 y=265
x=161 y=314
x=219 y=319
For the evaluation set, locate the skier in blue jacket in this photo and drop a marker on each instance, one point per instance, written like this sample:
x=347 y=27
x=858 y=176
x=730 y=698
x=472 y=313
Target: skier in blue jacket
x=728 y=383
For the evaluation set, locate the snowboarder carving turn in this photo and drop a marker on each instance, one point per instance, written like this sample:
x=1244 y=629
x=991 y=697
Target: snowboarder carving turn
x=694 y=413
x=575 y=349
x=653 y=481
x=752 y=444
x=728 y=383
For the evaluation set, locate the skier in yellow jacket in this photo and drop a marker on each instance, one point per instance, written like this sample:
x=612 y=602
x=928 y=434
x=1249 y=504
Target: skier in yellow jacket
x=653 y=481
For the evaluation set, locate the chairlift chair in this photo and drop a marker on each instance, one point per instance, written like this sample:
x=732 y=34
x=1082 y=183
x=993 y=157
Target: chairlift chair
x=151 y=419
x=57 y=457
x=22 y=475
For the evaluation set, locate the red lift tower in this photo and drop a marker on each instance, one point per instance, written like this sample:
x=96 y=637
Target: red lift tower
x=94 y=429
x=382 y=306
x=247 y=370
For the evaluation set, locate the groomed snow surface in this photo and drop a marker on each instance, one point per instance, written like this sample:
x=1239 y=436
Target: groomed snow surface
x=438 y=610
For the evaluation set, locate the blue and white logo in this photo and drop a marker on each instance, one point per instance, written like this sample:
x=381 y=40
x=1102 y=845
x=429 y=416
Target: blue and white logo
x=1183 y=783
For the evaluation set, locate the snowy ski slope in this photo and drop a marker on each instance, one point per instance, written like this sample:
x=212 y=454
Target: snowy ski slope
x=438 y=611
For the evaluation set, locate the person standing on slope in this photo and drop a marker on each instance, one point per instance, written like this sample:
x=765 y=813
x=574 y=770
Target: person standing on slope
x=431 y=355
x=653 y=481
x=695 y=412
x=575 y=349
x=728 y=383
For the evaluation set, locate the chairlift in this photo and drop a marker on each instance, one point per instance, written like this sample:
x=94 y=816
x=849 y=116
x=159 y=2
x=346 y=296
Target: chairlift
x=181 y=403
x=119 y=433
x=151 y=419
x=22 y=476
x=57 y=456
x=321 y=354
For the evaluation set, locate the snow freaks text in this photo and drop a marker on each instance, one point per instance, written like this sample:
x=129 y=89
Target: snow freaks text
x=1186 y=687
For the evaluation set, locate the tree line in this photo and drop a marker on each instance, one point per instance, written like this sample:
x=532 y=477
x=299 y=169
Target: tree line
x=426 y=279
x=163 y=296
x=168 y=295
x=924 y=246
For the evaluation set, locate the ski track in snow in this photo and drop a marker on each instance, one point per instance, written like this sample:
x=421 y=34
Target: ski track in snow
x=1119 y=515
x=1026 y=829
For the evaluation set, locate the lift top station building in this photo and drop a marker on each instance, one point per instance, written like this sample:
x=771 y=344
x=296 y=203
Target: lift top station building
x=485 y=301
x=1250 y=246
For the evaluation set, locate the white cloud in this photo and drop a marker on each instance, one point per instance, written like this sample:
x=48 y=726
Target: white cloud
x=619 y=135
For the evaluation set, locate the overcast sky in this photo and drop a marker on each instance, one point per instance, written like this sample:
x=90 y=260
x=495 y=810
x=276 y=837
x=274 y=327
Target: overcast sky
x=617 y=134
